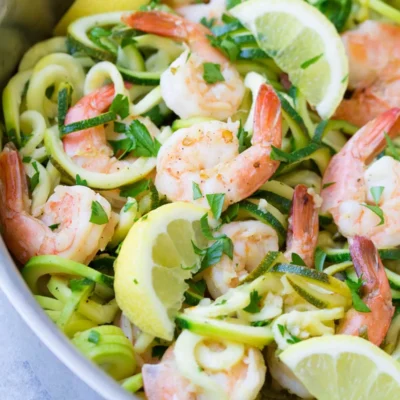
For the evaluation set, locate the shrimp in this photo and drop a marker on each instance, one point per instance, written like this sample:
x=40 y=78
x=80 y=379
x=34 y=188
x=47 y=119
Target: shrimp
x=302 y=234
x=376 y=295
x=68 y=210
x=242 y=381
x=252 y=241
x=183 y=87
x=212 y=11
x=348 y=183
x=89 y=147
x=373 y=49
x=208 y=154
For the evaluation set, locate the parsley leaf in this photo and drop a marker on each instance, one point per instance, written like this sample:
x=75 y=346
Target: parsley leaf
x=79 y=181
x=244 y=139
x=212 y=73
x=253 y=306
x=135 y=189
x=99 y=216
x=196 y=191
x=297 y=260
x=27 y=159
x=208 y=23
x=54 y=226
x=216 y=202
x=378 y=211
x=281 y=329
x=119 y=127
x=311 y=61
x=143 y=145
x=120 y=105
x=34 y=179
x=122 y=147
x=376 y=192
x=230 y=214
x=205 y=228
x=393 y=151
x=260 y=323
x=326 y=185
x=355 y=287
x=221 y=303
x=94 y=337
x=232 y=3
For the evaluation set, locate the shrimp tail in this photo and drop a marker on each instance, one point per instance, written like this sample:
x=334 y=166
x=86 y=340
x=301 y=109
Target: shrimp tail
x=302 y=234
x=14 y=195
x=375 y=293
x=267 y=128
x=368 y=265
x=163 y=24
x=370 y=140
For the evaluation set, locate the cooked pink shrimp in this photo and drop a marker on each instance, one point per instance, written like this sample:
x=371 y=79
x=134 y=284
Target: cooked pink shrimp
x=252 y=240
x=373 y=49
x=376 y=293
x=69 y=208
x=89 y=147
x=243 y=381
x=208 y=154
x=348 y=184
x=183 y=87
x=302 y=234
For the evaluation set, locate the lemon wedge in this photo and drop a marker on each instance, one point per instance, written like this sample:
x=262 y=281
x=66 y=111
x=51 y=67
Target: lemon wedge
x=155 y=259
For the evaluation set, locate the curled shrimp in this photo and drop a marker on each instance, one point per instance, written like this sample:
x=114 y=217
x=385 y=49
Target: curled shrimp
x=89 y=147
x=68 y=210
x=183 y=87
x=376 y=294
x=208 y=154
x=241 y=381
x=373 y=49
x=348 y=184
x=302 y=236
x=252 y=240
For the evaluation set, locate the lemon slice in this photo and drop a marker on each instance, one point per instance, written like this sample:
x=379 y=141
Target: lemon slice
x=344 y=368
x=303 y=43
x=155 y=259
x=83 y=8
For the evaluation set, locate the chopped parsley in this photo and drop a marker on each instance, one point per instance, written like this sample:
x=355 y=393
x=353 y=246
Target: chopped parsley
x=376 y=192
x=392 y=148
x=120 y=105
x=244 y=139
x=143 y=145
x=378 y=211
x=79 y=181
x=216 y=203
x=196 y=191
x=319 y=259
x=128 y=206
x=54 y=226
x=135 y=189
x=297 y=260
x=253 y=306
x=326 y=185
x=212 y=73
x=355 y=287
x=208 y=23
x=94 y=337
x=99 y=216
